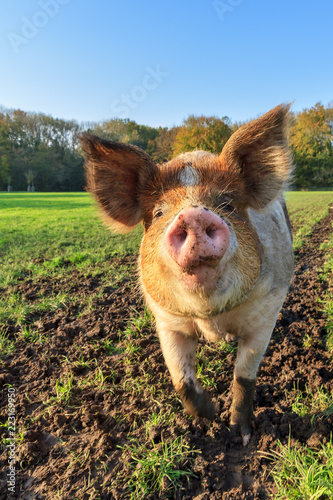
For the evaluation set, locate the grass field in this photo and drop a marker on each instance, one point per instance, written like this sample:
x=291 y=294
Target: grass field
x=62 y=230
x=44 y=234
x=55 y=236
x=51 y=235
x=305 y=209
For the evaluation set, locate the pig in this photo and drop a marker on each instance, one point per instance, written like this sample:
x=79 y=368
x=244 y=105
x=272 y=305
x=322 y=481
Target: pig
x=216 y=257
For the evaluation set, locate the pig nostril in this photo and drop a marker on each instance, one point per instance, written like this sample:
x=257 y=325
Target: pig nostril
x=182 y=235
x=210 y=232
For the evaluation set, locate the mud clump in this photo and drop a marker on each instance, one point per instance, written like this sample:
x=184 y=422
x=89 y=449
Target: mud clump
x=91 y=386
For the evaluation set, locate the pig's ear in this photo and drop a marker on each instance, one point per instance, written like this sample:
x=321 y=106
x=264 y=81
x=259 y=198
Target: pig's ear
x=257 y=153
x=116 y=174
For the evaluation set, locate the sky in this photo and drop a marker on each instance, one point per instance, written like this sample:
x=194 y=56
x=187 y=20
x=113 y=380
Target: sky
x=159 y=61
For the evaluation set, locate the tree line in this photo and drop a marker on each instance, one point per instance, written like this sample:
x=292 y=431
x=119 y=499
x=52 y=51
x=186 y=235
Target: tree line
x=42 y=153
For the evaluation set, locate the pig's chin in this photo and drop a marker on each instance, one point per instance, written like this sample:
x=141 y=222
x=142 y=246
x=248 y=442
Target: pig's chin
x=201 y=278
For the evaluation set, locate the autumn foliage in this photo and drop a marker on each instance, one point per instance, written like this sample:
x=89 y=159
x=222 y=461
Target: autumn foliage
x=201 y=132
x=311 y=140
x=39 y=149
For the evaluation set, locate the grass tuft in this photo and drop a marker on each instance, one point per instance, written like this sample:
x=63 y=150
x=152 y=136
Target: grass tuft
x=7 y=346
x=157 y=468
x=64 y=389
x=325 y=275
x=302 y=473
x=306 y=403
x=136 y=325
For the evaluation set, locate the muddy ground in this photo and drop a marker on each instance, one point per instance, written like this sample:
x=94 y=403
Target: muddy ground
x=73 y=448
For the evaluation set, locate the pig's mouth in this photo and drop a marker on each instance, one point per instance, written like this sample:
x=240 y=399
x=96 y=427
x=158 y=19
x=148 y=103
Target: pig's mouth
x=203 y=276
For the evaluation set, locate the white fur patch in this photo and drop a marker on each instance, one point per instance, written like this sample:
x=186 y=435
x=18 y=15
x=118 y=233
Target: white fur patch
x=189 y=176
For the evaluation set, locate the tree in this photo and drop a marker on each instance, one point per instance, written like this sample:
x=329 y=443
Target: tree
x=310 y=133
x=160 y=148
x=201 y=132
x=30 y=180
x=311 y=140
x=4 y=148
x=48 y=147
x=127 y=131
x=4 y=170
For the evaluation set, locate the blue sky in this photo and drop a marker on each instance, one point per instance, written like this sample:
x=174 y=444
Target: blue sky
x=156 y=62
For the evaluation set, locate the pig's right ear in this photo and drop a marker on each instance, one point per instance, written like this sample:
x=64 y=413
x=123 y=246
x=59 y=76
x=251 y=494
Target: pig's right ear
x=116 y=174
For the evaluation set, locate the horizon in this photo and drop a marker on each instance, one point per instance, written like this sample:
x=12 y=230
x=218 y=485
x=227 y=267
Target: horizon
x=3 y=109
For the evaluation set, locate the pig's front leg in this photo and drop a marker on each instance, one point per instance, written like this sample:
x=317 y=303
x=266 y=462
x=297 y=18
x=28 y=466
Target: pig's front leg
x=179 y=354
x=249 y=354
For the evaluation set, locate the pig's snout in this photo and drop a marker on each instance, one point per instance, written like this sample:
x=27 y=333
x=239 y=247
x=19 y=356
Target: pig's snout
x=197 y=237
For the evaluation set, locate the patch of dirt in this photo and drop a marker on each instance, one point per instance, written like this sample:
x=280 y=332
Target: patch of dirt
x=71 y=448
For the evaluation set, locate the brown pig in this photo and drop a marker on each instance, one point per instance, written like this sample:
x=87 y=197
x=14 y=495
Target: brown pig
x=216 y=257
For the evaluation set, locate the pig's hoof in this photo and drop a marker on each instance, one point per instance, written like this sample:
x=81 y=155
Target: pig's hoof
x=242 y=407
x=230 y=337
x=242 y=425
x=246 y=439
x=197 y=403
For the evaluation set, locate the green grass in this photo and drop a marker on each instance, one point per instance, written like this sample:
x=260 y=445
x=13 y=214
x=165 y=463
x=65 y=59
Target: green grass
x=325 y=275
x=17 y=310
x=329 y=323
x=156 y=468
x=138 y=323
x=31 y=336
x=302 y=473
x=63 y=389
x=52 y=235
x=306 y=403
x=164 y=418
x=211 y=362
x=62 y=229
x=305 y=210
x=7 y=346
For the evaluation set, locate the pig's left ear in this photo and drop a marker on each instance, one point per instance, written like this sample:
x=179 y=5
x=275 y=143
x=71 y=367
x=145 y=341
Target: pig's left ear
x=116 y=173
x=258 y=155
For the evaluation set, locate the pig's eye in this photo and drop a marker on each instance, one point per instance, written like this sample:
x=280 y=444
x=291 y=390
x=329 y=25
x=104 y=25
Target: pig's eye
x=158 y=213
x=226 y=205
